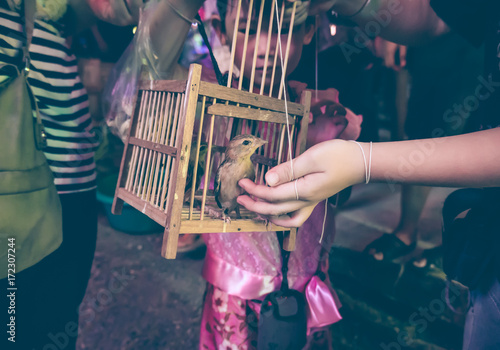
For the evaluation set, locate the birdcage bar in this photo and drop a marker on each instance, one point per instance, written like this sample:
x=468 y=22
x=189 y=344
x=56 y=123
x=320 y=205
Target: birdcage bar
x=164 y=158
x=153 y=175
x=233 y=45
x=278 y=38
x=285 y=62
x=160 y=141
x=207 y=162
x=197 y=157
x=257 y=39
x=135 y=149
x=245 y=43
x=157 y=156
x=137 y=165
x=169 y=138
x=247 y=98
x=147 y=132
x=167 y=194
x=149 y=167
x=268 y=49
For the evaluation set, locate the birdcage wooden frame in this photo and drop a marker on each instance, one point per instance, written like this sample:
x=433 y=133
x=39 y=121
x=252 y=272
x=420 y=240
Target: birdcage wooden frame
x=154 y=172
x=154 y=166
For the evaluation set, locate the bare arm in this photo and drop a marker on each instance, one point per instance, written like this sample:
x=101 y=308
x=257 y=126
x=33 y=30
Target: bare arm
x=401 y=21
x=470 y=160
x=169 y=31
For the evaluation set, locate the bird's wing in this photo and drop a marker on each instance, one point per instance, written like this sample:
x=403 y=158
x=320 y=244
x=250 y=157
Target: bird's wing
x=217 y=185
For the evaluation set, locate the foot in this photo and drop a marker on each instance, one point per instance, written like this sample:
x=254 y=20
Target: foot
x=262 y=218
x=389 y=247
x=429 y=258
x=189 y=243
x=226 y=218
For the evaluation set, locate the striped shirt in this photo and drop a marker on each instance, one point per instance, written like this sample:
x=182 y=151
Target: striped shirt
x=61 y=97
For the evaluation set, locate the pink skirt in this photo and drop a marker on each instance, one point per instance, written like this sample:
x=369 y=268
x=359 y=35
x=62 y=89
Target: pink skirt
x=230 y=323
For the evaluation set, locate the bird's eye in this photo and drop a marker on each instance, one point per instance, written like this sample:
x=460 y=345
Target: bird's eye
x=246 y=142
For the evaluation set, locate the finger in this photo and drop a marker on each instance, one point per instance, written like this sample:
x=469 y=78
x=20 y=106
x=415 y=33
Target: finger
x=402 y=56
x=270 y=209
x=285 y=192
x=283 y=173
x=296 y=219
x=336 y=109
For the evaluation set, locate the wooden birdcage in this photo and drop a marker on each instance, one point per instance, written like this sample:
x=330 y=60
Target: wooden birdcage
x=178 y=134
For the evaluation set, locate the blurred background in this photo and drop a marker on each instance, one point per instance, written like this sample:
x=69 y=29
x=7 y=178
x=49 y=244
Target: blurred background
x=138 y=300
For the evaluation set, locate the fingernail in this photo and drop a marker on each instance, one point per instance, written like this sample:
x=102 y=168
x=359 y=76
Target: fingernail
x=272 y=179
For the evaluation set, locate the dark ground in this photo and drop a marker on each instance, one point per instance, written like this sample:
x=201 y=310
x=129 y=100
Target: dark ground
x=137 y=300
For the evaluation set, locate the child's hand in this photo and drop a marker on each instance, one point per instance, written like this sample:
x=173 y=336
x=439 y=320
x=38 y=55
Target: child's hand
x=329 y=119
x=301 y=12
x=322 y=171
x=319 y=6
x=394 y=55
x=327 y=125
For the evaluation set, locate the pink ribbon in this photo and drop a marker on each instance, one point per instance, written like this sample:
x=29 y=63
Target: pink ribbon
x=235 y=281
x=323 y=309
x=322 y=305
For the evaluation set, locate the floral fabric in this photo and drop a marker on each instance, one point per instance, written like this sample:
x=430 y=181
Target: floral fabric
x=230 y=323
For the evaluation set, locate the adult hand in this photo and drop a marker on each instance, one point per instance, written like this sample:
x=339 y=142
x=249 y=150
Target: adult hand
x=319 y=6
x=322 y=171
x=117 y=12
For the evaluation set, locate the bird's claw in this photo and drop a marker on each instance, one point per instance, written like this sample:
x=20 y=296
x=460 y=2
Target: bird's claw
x=266 y=220
x=214 y=214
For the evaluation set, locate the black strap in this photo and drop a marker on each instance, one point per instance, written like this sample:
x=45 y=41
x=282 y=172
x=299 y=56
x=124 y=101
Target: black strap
x=222 y=80
x=285 y=256
x=29 y=24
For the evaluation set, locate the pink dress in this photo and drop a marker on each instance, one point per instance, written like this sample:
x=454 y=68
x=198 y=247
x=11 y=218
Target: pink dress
x=242 y=268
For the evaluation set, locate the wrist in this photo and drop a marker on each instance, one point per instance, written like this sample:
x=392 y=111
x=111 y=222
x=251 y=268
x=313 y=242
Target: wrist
x=359 y=158
x=188 y=8
x=348 y=7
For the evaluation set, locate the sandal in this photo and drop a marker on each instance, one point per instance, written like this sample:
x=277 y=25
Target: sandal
x=429 y=259
x=389 y=245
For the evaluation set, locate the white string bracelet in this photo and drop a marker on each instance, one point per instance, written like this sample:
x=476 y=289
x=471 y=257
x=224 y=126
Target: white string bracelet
x=368 y=167
x=324 y=221
x=179 y=13
x=370 y=163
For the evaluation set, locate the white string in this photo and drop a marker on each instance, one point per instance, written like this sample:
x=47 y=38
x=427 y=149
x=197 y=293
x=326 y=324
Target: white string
x=316 y=79
x=370 y=163
x=317 y=59
x=324 y=222
x=288 y=123
x=368 y=166
x=284 y=89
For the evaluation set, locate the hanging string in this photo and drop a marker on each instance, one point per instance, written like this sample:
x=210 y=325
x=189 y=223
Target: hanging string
x=284 y=87
x=316 y=69
x=317 y=54
x=287 y=115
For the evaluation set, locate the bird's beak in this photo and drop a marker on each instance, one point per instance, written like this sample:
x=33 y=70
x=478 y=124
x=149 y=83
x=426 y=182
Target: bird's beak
x=260 y=142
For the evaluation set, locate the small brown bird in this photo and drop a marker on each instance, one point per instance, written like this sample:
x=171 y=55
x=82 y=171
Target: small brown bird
x=236 y=166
